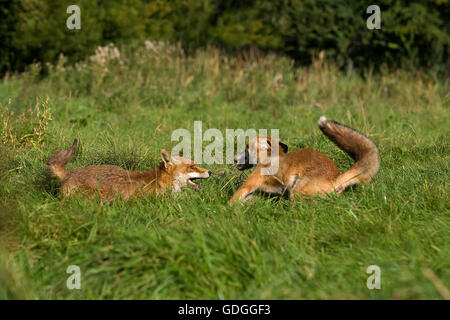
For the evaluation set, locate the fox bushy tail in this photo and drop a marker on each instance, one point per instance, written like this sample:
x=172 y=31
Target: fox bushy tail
x=56 y=164
x=359 y=147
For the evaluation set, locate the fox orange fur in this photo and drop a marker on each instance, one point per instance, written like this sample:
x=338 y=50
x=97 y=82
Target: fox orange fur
x=109 y=182
x=306 y=171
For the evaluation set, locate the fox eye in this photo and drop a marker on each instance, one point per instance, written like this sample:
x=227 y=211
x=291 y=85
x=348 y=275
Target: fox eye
x=192 y=167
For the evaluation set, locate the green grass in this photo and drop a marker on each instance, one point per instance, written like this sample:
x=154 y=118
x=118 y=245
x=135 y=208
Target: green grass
x=193 y=245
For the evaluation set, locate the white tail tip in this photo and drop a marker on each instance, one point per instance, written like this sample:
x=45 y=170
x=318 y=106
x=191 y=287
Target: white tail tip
x=322 y=120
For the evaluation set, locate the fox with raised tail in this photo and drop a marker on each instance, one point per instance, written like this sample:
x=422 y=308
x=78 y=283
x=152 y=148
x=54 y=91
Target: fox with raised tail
x=109 y=182
x=306 y=171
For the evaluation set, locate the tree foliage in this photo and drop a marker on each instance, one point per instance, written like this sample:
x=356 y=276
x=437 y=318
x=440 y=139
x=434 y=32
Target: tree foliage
x=413 y=34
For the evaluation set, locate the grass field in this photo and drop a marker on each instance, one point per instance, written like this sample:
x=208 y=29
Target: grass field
x=124 y=107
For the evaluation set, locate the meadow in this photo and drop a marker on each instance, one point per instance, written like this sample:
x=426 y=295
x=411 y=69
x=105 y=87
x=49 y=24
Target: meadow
x=123 y=104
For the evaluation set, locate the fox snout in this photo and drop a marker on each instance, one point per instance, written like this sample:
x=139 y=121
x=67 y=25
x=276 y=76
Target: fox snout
x=205 y=174
x=242 y=160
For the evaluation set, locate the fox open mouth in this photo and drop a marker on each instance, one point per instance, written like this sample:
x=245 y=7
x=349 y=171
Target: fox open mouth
x=243 y=166
x=193 y=184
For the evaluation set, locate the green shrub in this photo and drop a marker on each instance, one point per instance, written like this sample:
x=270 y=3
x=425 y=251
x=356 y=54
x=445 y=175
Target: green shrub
x=413 y=33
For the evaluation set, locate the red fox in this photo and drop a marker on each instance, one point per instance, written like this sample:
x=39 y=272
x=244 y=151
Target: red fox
x=306 y=171
x=109 y=182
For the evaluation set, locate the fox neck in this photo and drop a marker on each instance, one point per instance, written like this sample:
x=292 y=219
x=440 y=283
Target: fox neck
x=268 y=162
x=158 y=179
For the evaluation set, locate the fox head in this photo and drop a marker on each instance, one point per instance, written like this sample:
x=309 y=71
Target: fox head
x=182 y=171
x=259 y=150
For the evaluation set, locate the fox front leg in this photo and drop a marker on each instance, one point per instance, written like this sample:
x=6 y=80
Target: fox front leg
x=244 y=192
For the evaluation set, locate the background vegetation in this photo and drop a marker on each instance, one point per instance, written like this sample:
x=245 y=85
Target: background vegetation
x=415 y=34
x=123 y=103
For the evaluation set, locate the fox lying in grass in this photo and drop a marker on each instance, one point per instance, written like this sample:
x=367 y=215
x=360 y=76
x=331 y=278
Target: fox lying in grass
x=109 y=182
x=306 y=171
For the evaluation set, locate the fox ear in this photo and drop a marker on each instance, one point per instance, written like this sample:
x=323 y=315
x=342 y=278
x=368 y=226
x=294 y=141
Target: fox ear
x=284 y=147
x=166 y=158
